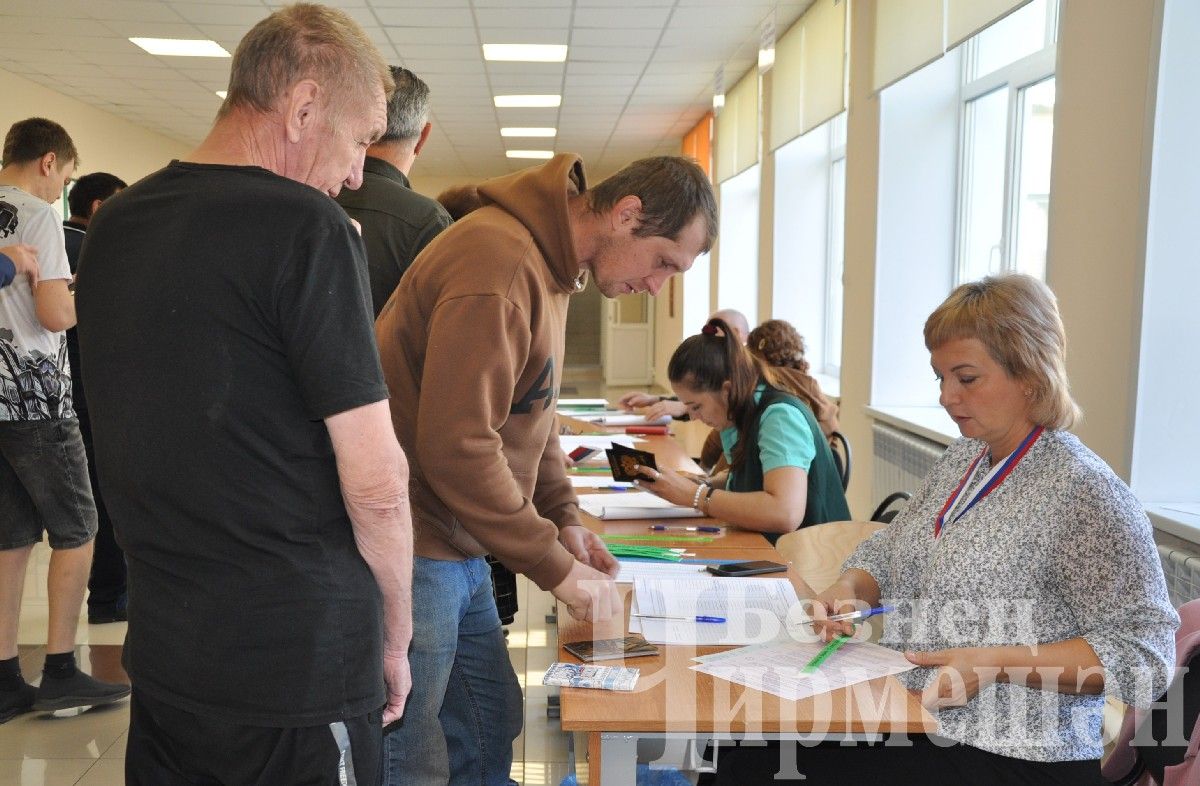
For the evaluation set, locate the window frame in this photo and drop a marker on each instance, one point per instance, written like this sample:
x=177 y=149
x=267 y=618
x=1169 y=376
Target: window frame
x=1013 y=78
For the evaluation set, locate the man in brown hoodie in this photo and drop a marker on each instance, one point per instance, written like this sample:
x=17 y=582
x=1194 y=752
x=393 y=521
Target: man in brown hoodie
x=472 y=347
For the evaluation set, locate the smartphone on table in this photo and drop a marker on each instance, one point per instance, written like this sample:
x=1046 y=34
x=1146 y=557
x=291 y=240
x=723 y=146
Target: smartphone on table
x=746 y=568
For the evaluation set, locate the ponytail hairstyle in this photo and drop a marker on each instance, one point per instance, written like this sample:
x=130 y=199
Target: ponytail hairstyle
x=706 y=361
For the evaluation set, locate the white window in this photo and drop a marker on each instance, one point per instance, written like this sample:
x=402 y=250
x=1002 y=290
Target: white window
x=737 y=267
x=810 y=198
x=1007 y=126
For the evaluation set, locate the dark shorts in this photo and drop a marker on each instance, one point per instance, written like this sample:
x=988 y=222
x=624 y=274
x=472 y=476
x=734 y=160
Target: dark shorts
x=44 y=485
x=172 y=747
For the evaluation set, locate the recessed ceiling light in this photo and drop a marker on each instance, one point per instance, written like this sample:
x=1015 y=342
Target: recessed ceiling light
x=528 y=53
x=528 y=101
x=181 y=47
x=529 y=153
x=221 y=94
x=528 y=131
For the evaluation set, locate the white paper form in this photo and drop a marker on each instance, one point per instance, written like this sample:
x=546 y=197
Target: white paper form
x=777 y=667
x=598 y=482
x=633 y=505
x=755 y=610
x=598 y=403
x=631 y=571
x=569 y=442
x=620 y=419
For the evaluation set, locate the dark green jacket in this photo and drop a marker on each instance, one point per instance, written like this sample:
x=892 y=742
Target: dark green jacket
x=397 y=223
x=826 y=501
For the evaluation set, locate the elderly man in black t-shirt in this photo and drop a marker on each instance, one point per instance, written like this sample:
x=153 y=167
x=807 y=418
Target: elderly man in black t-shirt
x=242 y=430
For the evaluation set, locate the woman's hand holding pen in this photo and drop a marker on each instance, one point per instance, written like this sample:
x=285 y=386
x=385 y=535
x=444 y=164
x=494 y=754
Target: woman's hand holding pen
x=826 y=605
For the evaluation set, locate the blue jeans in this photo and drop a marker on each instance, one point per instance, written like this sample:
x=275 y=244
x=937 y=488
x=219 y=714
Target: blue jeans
x=465 y=708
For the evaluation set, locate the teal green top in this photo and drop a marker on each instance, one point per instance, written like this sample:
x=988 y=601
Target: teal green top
x=784 y=437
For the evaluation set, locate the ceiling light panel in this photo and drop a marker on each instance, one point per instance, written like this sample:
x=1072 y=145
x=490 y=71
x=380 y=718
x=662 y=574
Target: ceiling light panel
x=181 y=47
x=536 y=131
x=525 y=53
x=540 y=101
x=529 y=153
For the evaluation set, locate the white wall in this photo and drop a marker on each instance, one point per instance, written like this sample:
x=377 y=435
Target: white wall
x=106 y=142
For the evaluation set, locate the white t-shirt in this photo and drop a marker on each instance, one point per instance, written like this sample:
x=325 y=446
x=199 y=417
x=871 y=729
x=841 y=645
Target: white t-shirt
x=35 y=377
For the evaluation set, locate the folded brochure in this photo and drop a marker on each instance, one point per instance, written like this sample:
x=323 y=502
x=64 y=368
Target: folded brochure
x=579 y=675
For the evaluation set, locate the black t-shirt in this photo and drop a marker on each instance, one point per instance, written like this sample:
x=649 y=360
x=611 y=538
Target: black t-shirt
x=223 y=312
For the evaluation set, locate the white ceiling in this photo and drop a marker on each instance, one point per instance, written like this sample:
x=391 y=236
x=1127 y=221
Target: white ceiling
x=638 y=76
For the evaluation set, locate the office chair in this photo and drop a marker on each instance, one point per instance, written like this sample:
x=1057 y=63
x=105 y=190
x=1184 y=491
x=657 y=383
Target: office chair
x=840 y=447
x=883 y=514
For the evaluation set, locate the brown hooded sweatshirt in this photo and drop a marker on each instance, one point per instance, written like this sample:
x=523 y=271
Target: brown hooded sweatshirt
x=472 y=348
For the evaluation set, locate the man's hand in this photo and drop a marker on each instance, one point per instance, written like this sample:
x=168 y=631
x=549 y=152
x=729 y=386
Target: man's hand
x=24 y=257
x=589 y=594
x=587 y=547
x=398 y=678
x=961 y=672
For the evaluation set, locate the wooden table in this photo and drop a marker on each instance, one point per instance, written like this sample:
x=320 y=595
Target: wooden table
x=673 y=702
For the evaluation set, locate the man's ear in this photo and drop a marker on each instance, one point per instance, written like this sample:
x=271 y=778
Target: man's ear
x=47 y=162
x=422 y=139
x=302 y=108
x=627 y=214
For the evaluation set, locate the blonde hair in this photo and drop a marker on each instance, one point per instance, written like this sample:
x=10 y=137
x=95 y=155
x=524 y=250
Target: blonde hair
x=306 y=41
x=1016 y=318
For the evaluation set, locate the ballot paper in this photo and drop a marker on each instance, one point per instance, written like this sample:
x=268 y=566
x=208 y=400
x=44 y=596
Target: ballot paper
x=630 y=571
x=581 y=675
x=756 y=610
x=633 y=505
x=778 y=667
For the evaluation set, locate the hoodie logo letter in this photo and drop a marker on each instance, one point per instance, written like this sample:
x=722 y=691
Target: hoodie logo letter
x=525 y=405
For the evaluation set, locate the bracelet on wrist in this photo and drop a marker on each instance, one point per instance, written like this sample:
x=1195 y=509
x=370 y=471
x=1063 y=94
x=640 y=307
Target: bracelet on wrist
x=696 y=497
x=708 y=497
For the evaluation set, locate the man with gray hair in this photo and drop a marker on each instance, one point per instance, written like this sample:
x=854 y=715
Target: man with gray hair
x=242 y=430
x=396 y=221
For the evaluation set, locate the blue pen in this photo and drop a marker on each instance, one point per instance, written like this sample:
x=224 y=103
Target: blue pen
x=668 y=527
x=701 y=618
x=861 y=615
x=618 y=488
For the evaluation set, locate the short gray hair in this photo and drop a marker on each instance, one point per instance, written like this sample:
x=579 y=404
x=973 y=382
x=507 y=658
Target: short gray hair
x=408 y=108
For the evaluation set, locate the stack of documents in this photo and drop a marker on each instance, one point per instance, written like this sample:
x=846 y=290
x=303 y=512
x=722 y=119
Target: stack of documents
x=755 y=611
x=778 y=667
x=633 y=505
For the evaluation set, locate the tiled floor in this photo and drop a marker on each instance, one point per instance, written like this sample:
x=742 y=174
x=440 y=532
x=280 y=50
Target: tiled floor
x=89 y=749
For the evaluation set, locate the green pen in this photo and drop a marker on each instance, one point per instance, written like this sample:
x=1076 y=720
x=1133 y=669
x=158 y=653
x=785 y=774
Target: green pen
x=824 y=654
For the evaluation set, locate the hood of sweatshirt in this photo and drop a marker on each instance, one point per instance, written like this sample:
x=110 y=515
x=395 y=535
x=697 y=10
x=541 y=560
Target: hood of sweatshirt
x=537 y=196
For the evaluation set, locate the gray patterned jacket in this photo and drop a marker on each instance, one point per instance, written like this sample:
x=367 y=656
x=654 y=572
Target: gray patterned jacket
x=1060 y=549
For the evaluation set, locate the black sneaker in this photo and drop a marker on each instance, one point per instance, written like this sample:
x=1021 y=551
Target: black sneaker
x=108 y=612
x=78 y=690
x=15 y=702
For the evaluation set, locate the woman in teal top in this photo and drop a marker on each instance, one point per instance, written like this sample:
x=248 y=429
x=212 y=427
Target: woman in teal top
x=782 y=474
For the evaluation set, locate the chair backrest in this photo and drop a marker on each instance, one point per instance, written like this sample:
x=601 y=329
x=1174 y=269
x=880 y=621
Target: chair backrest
x=840 y=447
x=1123 y=765
x=817 y=552
x=885 y=512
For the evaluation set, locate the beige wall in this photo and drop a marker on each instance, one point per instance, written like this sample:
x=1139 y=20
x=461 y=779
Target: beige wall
x=106 y=142
x=1099 y=189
